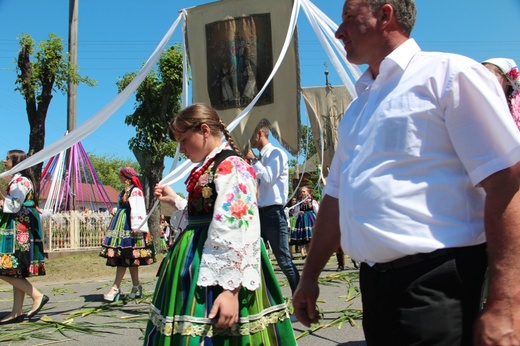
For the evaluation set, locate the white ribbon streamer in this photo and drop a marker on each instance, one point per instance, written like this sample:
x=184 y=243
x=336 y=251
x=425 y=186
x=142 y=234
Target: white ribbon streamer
x=99 y=118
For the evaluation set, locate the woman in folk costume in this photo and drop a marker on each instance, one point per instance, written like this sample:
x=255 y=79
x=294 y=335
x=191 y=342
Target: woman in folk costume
x=127 y=243
x=21 y=240
x=305 y=212
x=216 y=285
x=508 y=77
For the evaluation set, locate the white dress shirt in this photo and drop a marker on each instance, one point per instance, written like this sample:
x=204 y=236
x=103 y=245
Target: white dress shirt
x=413 y=148
x=272 y=171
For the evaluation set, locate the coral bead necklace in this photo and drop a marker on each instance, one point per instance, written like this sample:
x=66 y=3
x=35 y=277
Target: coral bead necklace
x=195 y=175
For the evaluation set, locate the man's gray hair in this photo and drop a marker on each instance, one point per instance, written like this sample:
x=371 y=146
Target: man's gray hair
x=405 y=12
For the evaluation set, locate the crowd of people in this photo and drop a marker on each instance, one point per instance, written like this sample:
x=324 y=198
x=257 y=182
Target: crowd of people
x=423 y=194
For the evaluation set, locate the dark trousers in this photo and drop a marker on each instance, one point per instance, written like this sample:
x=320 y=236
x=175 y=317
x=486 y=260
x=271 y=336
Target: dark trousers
x=432 y=301
x=274 y=230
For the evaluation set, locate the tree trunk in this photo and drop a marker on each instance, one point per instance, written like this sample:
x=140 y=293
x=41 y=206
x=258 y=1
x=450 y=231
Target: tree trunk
x=154 y=175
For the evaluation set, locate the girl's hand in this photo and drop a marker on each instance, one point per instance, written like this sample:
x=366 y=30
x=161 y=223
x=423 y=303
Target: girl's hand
x=224 y=312
x=164 y=193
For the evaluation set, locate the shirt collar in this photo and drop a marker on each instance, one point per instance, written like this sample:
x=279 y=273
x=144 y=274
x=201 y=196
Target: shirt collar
x=265 y=149
x=398 y=58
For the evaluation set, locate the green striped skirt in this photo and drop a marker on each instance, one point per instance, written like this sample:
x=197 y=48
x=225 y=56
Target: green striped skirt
x=179 y=308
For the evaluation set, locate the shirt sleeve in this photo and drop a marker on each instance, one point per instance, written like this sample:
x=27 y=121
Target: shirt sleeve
x=315 y=206
x=481 y=128
x=180 y=203
x=19 y=187
x=137 y=210
x=272 y=169
x=231 y=254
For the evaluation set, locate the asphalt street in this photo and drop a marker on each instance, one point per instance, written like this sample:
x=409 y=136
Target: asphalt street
x=77 y=315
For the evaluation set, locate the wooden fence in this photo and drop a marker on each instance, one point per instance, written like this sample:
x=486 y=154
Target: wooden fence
x=74 y=230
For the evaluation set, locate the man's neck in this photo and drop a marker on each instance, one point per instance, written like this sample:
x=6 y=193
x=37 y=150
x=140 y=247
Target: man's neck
x=262 y=145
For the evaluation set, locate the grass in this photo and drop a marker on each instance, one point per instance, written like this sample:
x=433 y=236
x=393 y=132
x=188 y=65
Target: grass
x=82 y=266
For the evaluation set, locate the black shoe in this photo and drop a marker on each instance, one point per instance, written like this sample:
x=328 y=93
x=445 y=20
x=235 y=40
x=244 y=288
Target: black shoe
x=17 y=319
x=355 y=264
x=44 y=301
x=340 y=268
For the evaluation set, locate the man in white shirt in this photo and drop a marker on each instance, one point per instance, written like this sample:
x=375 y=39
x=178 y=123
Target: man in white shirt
x=272 y=172
x=425 y=177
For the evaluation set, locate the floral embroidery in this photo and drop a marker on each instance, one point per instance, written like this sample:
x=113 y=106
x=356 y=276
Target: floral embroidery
x=239 y=209
x=231 y=255
x=514 y=74
x=204 y=179
x=226 y=167
x=22 y=237
x=7 y=262
x=206 y=192
x=201 y=197
x=251 y=171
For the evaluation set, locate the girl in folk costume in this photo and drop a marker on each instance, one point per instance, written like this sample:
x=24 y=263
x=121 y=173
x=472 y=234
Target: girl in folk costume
x=508 y=77
x=21 y=240
x=165 y=235
x=216 y=285
x=305 y=212
x=127 y=243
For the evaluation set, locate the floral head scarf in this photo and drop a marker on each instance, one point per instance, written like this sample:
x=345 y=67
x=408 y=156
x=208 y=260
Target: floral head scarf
x=510 y=71
x=130 y=173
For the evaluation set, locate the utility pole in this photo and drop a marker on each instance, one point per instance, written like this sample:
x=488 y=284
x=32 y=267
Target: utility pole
x=72 y=92
x=73 y=60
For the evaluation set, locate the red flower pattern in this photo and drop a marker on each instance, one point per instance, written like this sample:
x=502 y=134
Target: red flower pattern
x=225 y=167
x=513 y=73
x=239 y=209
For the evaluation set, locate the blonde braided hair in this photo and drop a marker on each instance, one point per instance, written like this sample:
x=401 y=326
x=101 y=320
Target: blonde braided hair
x=192 y=118
x=229 y=139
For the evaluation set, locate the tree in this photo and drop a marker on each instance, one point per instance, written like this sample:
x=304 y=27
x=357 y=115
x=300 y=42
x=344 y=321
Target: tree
x=107 y=168
x=3 y=182
x=307 y=143
x=36 y=81
x=308 y=149
x=157 y=102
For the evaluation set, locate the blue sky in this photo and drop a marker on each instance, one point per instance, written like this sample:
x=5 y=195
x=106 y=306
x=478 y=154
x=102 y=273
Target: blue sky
x=117 y=36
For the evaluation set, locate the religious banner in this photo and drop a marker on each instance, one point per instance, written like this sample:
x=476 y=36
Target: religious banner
x=325 y=107
x=233 y=46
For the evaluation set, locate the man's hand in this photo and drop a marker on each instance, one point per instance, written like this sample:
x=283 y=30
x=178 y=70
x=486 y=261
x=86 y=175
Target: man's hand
x=499 y=324
x=250 y=155
x=304 y=303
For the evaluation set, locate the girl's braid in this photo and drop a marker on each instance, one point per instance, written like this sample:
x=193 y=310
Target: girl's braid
x=230 y=139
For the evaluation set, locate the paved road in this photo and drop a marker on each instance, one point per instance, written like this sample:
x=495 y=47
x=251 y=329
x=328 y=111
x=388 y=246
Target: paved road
x=124 y=324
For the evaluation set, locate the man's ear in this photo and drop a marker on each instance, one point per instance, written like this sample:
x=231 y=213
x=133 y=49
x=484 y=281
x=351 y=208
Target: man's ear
x=385 y=13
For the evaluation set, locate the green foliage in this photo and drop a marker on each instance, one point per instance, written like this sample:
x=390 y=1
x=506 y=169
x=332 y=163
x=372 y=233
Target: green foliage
x=308 y=149
x=107 y=167
x=157 y=101
x=50 y=70
x=3 y=182
x=308 y=144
